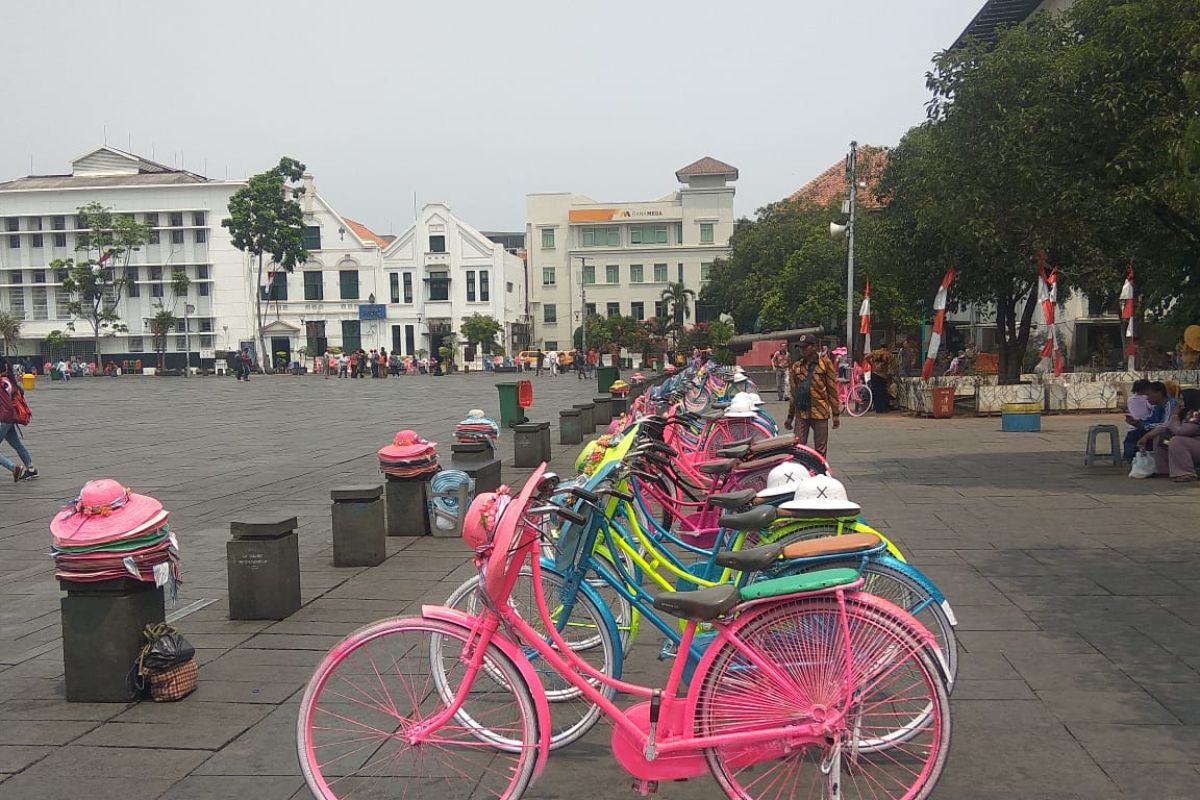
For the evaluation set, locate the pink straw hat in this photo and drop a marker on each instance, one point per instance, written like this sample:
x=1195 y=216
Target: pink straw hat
x=104 y=510
x=407 y=444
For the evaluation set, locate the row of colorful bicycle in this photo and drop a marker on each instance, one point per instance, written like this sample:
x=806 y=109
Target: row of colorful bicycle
x=805 y=657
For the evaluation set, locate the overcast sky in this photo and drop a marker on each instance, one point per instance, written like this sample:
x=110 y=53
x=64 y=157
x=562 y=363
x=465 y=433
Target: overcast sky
x=472 y=103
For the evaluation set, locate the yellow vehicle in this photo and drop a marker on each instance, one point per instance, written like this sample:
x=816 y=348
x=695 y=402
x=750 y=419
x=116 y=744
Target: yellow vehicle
x=530 y=359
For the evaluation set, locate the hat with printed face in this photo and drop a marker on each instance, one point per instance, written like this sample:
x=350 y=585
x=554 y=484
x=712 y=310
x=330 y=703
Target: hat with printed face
x=784 y=480
x=822 y=495
x=741 y=406
x=103 y=511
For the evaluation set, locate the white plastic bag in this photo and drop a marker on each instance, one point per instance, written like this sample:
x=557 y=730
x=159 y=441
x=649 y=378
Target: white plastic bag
x=1143 y=465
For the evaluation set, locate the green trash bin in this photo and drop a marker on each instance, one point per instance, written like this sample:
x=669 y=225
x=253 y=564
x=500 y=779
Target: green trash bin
x=510 y=410
x=606 y=377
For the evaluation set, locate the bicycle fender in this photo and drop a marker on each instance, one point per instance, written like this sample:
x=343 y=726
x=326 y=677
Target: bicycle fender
x=510 y=649
x=912 y=572
x=609 y=623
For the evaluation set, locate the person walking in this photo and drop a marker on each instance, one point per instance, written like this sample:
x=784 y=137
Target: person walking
x=883 y=369
x=552 y=360
x=12 y=406
x=780 y=361
x=541 y=362
x=244 y=365
x=383 y=362
x=813 y=383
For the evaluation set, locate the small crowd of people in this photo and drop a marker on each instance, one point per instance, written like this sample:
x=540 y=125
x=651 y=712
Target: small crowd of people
x=374 y=363
x=1165 y=422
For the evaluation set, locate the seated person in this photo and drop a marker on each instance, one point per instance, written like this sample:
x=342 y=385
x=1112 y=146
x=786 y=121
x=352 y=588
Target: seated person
x=1137 y=408
x=1180 y=448
x=1162 y=408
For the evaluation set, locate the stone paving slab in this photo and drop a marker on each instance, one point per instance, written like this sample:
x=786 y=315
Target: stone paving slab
x=1076 y=589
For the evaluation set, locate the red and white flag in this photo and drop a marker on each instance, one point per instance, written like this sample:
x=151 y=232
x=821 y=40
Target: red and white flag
x=864 y=327
x=939 y=321
x=1127 y=311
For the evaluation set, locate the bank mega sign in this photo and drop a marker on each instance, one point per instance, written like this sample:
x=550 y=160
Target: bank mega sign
x=618 y=214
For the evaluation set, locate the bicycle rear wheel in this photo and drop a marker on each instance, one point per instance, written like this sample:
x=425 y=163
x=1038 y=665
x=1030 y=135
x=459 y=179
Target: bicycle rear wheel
x=369 y=692
x=859 y=400
x=890 y=740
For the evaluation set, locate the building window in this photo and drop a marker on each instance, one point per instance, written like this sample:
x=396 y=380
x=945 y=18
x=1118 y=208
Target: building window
x=706 y=233
x=589 y=310
x=276 y=288
x=206 y=325
x=612 y=273
x=548 y=276
x=176 y=219
x=602 y=237
x=408 y=294
x=156 y=290
x=156 y=273
x=202 y=272
x=394 y=286
x=312 y=237
x=548 y=238
x=206 y=341
x=37 y=240
x=485 y=291
x=470 y=286
x=660 y=273
x=176 y=237
x=131 y=282
x=439 y=286
x=17 y=298
x=549 y=313
x=81 y=222
x=40 y=308
x=14 y=242
x=135 y=344
x=678 y=233
x=62 y=299
x=314 y=285
x=39 y=276
x=154 y=237
x=198 y=218
x=589 y=273
x=660 y=308
x=636 y=273
x=637 y=311
x=552 y=344
x=348 y=284
x=508 y=287
x=58 y=223
x=705 y=269
x=648 y=234
x=60 y=240
x=151 y=219
x=612 y=309
x=202 y=289
x=437 y=244
x=35 y=223
x=181 y=343
x=201 y=235
x=679 y=272
x=12 y=224
x=351 y=334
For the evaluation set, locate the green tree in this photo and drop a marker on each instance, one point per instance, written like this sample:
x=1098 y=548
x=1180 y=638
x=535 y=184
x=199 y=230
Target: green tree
x=96 y=278
x=676 y=303
x=267 y=223
x=56 y=343
x=482 y=330
x=10 y=331
x=164 y=320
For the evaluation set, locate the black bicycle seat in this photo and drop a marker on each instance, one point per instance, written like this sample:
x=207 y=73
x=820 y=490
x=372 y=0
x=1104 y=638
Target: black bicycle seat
x=700 y=604
x=754 y=520
x=731 y=501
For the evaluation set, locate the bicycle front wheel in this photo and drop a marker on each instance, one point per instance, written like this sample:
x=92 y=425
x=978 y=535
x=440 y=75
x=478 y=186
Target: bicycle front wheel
x=859 y=401
x=890 y=726
x=353 y=731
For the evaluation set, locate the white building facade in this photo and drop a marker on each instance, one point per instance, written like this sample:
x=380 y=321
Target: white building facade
x=587 y=257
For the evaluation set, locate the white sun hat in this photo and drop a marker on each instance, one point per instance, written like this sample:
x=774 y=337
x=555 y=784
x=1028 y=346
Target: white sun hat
x=741 y=406
x=738 y=377
x=785 y=479
x=758 y=401
x=822 y=495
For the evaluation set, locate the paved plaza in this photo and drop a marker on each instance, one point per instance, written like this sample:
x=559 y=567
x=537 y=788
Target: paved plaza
x=1076 y=589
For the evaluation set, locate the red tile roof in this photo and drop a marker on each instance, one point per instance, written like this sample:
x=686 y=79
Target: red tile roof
x=830 y=185
x=365 y=233
x=707 y=166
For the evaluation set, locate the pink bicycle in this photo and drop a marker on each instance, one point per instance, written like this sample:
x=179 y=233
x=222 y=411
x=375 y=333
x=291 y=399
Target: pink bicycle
x=854 y=394
x=809 y=688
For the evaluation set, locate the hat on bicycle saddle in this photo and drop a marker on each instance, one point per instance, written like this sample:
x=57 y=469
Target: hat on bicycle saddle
x=784 y=480
x=104 y=511
x=741 y=406
x=758 y=401
x=822 y=495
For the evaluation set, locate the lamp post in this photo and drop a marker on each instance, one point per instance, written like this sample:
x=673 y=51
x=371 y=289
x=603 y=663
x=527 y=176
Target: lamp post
x=583 y=315
x=188 y=309
x=851 y=161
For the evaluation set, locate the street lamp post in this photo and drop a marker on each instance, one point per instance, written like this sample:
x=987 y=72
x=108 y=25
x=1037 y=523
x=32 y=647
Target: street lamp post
x=851 y=160
x=188 y=309
x=583 y=315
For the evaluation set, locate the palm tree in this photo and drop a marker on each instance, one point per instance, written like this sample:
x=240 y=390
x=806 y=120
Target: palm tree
x=675 y=307
x=10 y=331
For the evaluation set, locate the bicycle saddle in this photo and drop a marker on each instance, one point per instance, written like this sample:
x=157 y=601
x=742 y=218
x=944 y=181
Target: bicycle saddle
x=720 y=404
x=753 y=559
x=753 y=520
x=772 y=445
x=761 y=463
x=734 y=451
x=732 y=500
x=700 y=604
x=713 y=416
x=831 y=545
x=718 y=467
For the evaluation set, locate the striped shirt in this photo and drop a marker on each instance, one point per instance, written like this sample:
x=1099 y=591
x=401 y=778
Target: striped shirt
x=822 y=391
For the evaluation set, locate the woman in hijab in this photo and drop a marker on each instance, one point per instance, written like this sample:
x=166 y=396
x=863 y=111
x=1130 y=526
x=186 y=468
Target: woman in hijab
x=1177 y=456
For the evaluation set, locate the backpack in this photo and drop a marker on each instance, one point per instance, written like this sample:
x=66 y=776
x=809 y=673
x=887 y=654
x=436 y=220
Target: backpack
x=802 y=396
x=15 y=410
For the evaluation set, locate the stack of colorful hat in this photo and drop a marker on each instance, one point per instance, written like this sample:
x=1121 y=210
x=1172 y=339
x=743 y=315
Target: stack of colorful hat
x=408 y=456
x=477 y=428
x=619 y=387
x=638 y=377
x=109 y=532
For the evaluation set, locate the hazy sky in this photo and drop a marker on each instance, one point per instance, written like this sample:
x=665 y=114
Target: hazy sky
x=471 y=103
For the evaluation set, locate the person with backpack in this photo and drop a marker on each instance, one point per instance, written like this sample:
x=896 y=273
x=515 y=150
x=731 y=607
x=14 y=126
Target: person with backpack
x=14 y=411
x=813 y=382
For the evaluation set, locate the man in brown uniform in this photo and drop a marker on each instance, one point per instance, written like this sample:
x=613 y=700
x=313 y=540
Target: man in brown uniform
x=813 y=381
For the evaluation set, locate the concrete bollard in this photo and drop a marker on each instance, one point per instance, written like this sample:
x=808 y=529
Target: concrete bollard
x=527 y=444
x=544 y=439
x=478 y=460
x=102 y=625
x=569 y=431
x=263 y=563
x=407 y=506
x=603 y=413
x=587 y=418
x=620 y=405
x=359 y=530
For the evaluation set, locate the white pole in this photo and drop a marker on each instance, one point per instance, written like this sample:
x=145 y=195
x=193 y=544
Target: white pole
x=850 y=177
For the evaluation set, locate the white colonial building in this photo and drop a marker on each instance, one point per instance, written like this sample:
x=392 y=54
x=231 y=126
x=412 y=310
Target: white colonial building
x=587 y=257
x=357 y=289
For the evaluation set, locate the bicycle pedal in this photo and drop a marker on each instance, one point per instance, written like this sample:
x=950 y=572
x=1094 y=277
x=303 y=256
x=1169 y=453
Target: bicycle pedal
x=645 y=788
x=669 y=650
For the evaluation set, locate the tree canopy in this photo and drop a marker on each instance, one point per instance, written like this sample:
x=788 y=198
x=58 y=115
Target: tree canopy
x=481 y=329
